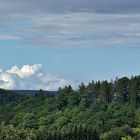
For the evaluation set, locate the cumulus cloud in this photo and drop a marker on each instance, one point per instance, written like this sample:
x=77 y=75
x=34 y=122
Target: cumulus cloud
x=30 y=77
x=6 y=81
x=25 y=71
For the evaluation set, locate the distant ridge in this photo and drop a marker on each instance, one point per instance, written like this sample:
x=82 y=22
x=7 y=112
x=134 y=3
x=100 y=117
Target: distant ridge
x=33 y=92
x=9 y=96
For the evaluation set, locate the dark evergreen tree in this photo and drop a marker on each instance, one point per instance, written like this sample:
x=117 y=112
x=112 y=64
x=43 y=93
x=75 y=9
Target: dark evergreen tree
x=82 y=88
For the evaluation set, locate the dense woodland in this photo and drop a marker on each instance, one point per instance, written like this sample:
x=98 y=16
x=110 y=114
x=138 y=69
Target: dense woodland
x=100 y=110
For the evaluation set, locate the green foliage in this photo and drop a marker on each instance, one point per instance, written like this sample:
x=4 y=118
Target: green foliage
x=110 y=110
x=7 y=96
x=117 y=133
x=8 y=132
x=127 y=138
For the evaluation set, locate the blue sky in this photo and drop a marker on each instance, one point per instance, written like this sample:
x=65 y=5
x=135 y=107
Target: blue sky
x=74 y=41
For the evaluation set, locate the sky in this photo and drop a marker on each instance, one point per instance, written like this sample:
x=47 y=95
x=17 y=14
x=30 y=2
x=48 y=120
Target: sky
x=45 y=44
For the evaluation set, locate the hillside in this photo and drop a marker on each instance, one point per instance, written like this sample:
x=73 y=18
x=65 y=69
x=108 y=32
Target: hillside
x=8 y=96
x=100 y=110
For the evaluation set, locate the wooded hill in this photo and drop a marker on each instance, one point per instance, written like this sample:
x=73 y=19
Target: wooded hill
x=100 y=110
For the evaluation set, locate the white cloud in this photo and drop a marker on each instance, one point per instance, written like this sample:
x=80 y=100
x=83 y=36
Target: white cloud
x=73 y=29
x=25 y=71
x=8 y=37
x=30 y=77
x=81 y=29
x=6 y=81
x=82 y=23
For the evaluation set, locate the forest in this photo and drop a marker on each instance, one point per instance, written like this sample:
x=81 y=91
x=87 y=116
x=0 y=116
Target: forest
x=100 y=110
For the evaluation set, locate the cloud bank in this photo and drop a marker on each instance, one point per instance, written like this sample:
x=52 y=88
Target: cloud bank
x=75 y=30
x=70 y=23
x=61 y=6
x=30 y=77
x=83 y=30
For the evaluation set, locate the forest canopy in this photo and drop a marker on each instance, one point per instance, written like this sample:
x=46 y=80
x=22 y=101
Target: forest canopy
x=106 y=110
